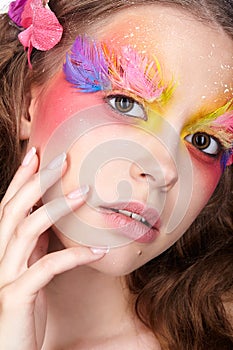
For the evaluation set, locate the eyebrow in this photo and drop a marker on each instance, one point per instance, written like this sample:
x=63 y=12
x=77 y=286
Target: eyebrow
x=92 y=67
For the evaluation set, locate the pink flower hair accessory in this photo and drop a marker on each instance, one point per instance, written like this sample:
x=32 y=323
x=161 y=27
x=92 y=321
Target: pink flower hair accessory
x=41 y=27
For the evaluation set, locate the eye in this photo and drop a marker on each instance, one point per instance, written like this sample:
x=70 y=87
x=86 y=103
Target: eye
x=204 y=143
x=127 y=106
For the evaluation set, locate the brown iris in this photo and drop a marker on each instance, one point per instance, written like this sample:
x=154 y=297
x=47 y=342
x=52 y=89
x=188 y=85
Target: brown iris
x=124 y=104
x=201 y=140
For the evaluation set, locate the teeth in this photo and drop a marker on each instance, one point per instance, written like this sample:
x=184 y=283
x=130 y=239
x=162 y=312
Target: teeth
x=133 y=216
x=136 y=217
x=125 y=212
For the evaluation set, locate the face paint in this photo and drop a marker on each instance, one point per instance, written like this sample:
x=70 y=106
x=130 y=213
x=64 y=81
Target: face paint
x=57 y=102
x=182 y=46
x=93 y=66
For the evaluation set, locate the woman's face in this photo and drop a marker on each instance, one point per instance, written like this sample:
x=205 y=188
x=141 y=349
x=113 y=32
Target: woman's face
x=152 y=158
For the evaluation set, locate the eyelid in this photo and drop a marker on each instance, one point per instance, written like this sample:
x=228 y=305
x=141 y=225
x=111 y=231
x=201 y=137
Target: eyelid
x=126 y=93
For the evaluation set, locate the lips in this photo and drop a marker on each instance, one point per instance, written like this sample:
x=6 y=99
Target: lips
x=133 y=220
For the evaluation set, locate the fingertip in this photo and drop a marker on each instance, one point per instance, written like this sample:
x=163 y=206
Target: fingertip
x=99 y=251
x=30 y=162
x=79 y=193
x=29 y=157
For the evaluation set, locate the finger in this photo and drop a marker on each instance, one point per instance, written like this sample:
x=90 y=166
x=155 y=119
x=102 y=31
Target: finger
x=29 y=166
x=21 y=177
x=41 y=248
x=24 y=240
x=18 y=207
x=43 y=271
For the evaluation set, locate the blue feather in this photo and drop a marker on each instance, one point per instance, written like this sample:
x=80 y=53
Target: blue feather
x=86 y=67
x=225 y=157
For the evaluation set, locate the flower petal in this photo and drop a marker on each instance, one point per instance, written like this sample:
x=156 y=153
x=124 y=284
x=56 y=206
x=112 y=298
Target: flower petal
x=28 y=12
x=47 y=31
x=15 y=11
x=25 y=37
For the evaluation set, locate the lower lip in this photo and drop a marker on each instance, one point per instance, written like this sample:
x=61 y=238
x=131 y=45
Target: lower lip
x=130 y=228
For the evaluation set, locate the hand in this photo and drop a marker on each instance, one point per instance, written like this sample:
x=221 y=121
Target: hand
x=22 y=238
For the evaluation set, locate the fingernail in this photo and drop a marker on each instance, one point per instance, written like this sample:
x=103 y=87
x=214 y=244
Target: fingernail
x=81 y=191
x=99 y=250
x=57 y=162
x=30 y=154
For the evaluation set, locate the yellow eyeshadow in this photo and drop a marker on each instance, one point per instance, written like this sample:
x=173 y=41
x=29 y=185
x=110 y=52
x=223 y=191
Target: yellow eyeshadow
x=154 y=121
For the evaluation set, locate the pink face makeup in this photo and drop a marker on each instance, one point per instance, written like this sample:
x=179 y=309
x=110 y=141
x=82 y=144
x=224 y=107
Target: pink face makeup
x=57 y=102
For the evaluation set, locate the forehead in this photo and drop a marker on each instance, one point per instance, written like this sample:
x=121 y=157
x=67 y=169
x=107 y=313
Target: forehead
x=190 y=51
x=154 y=27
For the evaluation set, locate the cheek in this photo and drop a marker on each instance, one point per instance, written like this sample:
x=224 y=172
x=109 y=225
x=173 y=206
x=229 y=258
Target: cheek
x=55 y=105
x=112 y=182
x=96 y=158
x=207 y=177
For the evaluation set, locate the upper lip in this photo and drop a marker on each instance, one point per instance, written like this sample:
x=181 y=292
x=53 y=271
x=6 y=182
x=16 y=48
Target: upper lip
x=150 y=214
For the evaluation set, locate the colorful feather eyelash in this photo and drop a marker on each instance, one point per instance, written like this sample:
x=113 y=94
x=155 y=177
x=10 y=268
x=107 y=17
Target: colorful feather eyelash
x=86 y=67
x=227 y=158
x=223 y=126
x=219 y=123
x=223 y=129
x=135 y=73
x=91 y=67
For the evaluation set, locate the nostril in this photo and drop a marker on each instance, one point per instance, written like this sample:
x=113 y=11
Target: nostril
x=157 y=175
x=148 y=177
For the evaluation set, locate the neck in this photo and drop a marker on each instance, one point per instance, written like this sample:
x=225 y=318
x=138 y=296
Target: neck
x=86 y=304
x=87 y=299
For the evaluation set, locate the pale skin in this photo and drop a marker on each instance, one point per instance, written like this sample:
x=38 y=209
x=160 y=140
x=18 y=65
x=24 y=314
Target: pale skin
x=88 y=305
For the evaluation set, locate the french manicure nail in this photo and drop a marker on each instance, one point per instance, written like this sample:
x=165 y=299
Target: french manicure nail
x=81 y=191
x=27 y=159
x=99 y=250
x=57 y=162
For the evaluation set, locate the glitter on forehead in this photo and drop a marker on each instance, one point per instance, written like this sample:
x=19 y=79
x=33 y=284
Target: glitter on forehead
x=92 y=67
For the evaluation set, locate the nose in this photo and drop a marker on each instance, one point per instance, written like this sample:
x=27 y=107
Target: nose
x=157 y=168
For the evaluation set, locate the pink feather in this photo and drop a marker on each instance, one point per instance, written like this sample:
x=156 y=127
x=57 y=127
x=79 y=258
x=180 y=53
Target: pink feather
x=133 y=72
x=225 y=121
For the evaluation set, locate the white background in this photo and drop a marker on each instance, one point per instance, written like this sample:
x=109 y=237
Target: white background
x=4 y=4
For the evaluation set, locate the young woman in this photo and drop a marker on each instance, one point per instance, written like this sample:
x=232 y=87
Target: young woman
x=116 y=230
